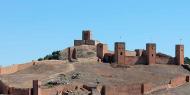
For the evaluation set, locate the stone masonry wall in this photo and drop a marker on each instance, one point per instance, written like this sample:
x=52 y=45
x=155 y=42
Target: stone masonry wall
x=101 y=49
x=135 y=89
x=144 y=88
x=19 y=91
x=132 y=60
x=9 y=70
x=164 y=60
x=130 y=53
x=58 y=89
x=178 y=81
x=4 y=89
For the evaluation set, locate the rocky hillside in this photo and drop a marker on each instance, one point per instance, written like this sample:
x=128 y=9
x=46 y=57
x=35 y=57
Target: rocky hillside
x=83 y=51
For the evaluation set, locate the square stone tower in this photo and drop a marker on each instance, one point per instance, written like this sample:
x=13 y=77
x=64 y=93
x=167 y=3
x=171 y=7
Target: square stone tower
x=120 y=52
x=101 y=50
x=72 y=54
x=179 y=54
x=36 y=87
x=151 y=53
x=86 y=35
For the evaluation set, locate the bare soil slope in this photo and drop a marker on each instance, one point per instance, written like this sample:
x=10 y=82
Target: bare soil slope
x=92 y=72
x=83 y=51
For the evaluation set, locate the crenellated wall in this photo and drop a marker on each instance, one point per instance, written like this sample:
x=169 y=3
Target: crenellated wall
x=130 y=53
x=144 y=88
x=165 y=60
x=178 y=81
x=15 y=68
x=132 y=89
x=9 y=69
x=14 y=91
x=140 y=56
x=20 y=91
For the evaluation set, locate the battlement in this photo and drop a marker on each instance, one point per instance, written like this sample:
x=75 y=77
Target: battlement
x=9 y=69
x=86 y=39
x=86 y=35
x=139 y=56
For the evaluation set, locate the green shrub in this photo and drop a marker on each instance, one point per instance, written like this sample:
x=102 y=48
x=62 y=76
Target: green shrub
x=40 y=59
x=186 y=60
x=54 y=56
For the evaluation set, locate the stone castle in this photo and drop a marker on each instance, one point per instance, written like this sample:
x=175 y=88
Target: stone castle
x=120 y=56
x=138 y=56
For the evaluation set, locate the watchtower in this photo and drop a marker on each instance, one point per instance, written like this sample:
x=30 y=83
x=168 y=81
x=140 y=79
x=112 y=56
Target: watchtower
x=179 y=54
x=86 y=35
x=151 y=53
x=101 y=50
x=36 y=87
x=120 y=52
x=72 y=54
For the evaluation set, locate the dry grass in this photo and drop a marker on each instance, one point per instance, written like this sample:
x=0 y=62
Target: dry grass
x=92 y=71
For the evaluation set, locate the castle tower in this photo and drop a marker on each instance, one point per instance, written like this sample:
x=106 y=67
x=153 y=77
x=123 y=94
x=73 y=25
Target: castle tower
x=179 y=54
x=72 y=54
x=36 y=87
x=86 y=35
x=69 y=54
x=120 y=52
x=101 y=50
x=151 y=53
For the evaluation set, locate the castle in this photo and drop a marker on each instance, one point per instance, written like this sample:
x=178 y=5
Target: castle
x=138 y=56
x=120 y=56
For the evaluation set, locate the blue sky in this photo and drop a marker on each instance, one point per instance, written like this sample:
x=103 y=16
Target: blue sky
x=30 y=29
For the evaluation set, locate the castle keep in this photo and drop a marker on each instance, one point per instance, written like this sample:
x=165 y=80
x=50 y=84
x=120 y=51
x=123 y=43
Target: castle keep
x=86 y=39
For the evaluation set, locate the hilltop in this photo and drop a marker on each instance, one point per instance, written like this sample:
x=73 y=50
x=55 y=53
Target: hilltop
x=90 y=68
x=91 y=72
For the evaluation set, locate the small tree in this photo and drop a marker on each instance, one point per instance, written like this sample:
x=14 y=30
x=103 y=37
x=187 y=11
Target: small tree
x=54 y=56
x=187 y=60
x=40 y=59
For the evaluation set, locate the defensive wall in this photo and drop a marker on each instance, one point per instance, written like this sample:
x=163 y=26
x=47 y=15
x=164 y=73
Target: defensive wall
x=144 y=88
x=9 y=69
x=14 y=68
x=139 y=56
x=14 y=91
x=132 y=89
